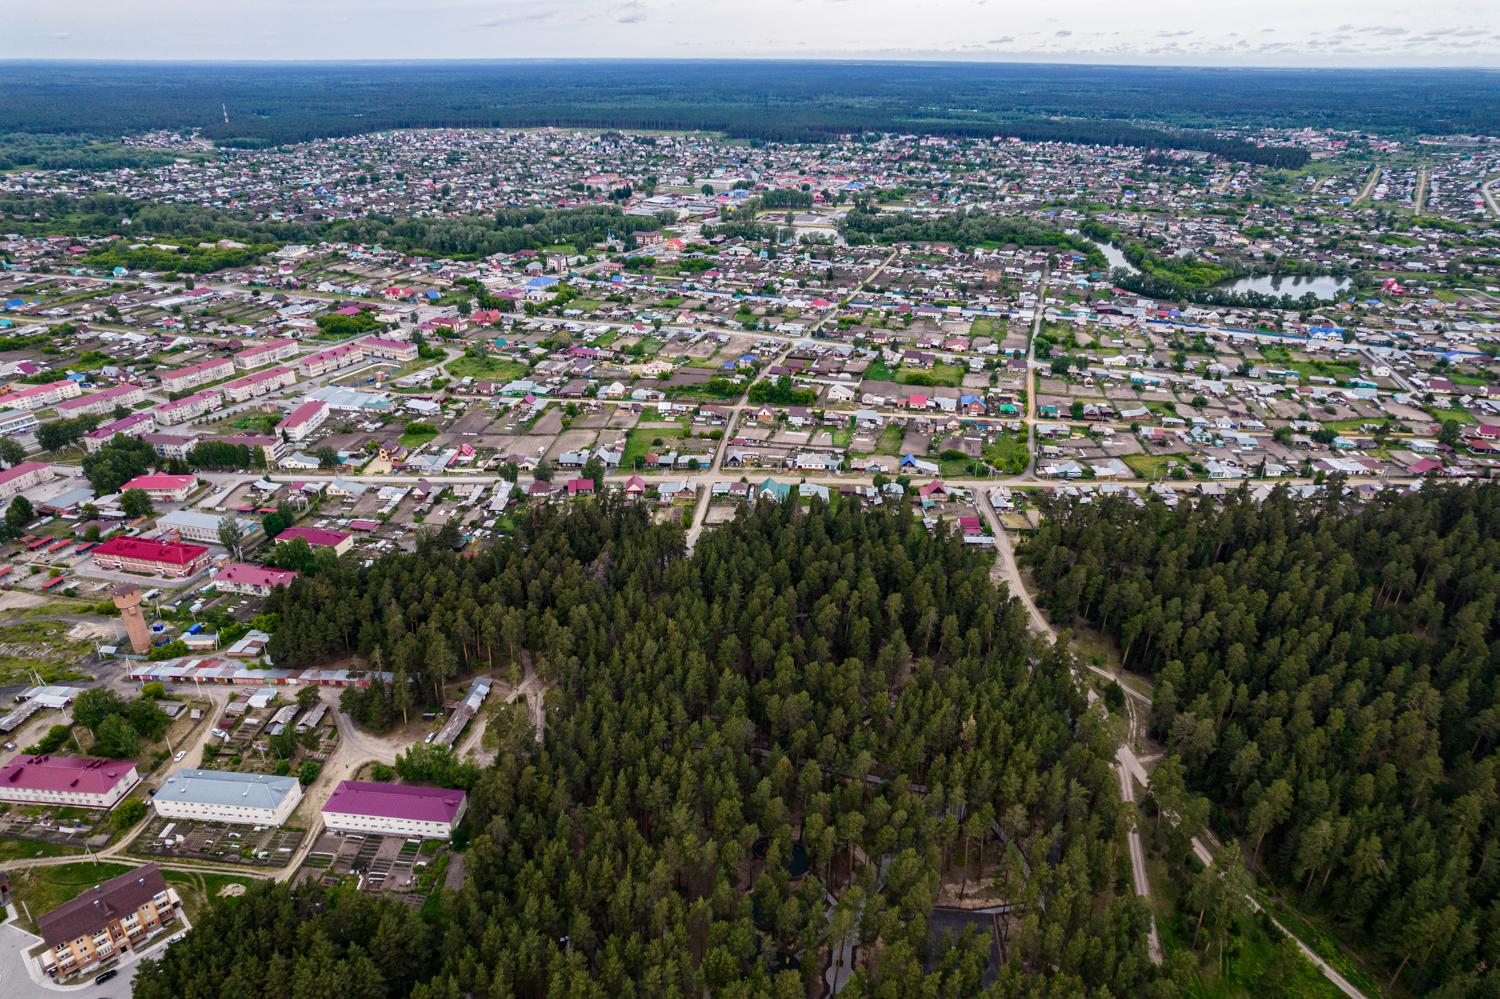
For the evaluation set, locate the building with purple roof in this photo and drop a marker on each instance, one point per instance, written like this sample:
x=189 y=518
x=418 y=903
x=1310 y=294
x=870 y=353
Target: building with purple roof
x=394 y=809
x=82 y=782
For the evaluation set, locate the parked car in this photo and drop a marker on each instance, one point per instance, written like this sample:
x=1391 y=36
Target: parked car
x=180 y=754
x=106 y=976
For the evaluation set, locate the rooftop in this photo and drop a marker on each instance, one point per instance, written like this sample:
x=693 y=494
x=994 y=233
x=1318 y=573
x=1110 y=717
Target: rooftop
x=151 y=551
x=223 y=787
x=395 y=801
x=78 y=774
x=97 y=906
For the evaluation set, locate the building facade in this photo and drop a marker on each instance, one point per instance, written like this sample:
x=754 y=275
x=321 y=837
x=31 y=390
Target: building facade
x=394 y=809
x=194 y=375
x=224 y=796
x=156 y=557
x=19 y=478
x=78 y=781
x=105 y=921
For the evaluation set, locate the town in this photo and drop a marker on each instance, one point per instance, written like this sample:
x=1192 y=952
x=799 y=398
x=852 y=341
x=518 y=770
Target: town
x=969 y=328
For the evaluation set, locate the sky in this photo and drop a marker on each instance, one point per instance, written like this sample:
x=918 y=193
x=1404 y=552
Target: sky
x=1302 y=33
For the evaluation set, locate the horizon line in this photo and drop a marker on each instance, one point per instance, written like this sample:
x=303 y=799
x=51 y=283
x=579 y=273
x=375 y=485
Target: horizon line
x=932 y=59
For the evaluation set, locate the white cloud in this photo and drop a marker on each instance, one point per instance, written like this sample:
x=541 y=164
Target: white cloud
x=1334 y=32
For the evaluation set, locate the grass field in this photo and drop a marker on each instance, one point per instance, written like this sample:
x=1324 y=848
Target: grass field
x=45 y=888
x=890 y=440
x=491 y=369
x=639 y=441
x=418 y=436
x=31 y=849
x=1321 y=943
x=1152 y=466
x=1255 y=963
x=41 y=647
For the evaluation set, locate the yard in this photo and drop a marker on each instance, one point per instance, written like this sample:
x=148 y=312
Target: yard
x=641 y=439
x=486 y=369
x=45 y=888
x=1152 y=466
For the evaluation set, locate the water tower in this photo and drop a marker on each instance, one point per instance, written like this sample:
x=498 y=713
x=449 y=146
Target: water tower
x=128 y=601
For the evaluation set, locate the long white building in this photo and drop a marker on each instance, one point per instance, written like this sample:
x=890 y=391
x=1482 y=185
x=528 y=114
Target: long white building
x=394 y=809
x=224 y=796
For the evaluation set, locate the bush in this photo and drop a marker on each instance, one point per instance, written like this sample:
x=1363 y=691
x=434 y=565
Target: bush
x=127 y=813
x=308 y=772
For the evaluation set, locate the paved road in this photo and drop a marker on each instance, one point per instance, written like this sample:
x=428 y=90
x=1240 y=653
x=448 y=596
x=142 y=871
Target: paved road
x=700 y=511
x=1036 y=328
x=1489 y=197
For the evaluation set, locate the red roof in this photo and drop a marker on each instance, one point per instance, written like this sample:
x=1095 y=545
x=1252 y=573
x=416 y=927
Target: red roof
x=151 y=551
x=254 y=575
x=314 y=536
x=79 y=774
x=395 y=801
x=17 y=471
x=303 y=413
x=160 y=483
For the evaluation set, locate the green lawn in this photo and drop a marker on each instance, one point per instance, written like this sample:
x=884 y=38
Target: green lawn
x=890 y=441
x=45 y=888
x=418 y=437
x=982 y=327
x=30 y=849
x=1152 y=466
x=490 y=369
x=639 y=441
x=42 y=647
x=939 y=374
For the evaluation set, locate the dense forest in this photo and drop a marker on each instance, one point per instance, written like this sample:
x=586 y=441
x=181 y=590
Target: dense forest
x=507 y=230
x=274 y=104
x=783 y=742
x=1329 y=675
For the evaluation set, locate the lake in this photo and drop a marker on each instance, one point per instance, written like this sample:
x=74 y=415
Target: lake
x=1296 y=285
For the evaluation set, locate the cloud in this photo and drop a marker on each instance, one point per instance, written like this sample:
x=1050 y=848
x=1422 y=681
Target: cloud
x=517 y=17
x=1062 y=34
x=631 y=12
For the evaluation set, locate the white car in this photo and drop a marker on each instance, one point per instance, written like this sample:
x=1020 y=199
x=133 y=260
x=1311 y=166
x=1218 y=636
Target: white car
x=180 y=755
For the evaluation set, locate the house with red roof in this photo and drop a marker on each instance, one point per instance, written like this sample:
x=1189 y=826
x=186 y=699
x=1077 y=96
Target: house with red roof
x=167 y=488
x=300 y=423
x=77 y=781
x=241 y=577
x=394 y=809
x=317 y=537
x=154 y=557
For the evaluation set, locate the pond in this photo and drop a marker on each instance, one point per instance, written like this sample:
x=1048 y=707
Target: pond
x=1296 y=285
x=1116 y=258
